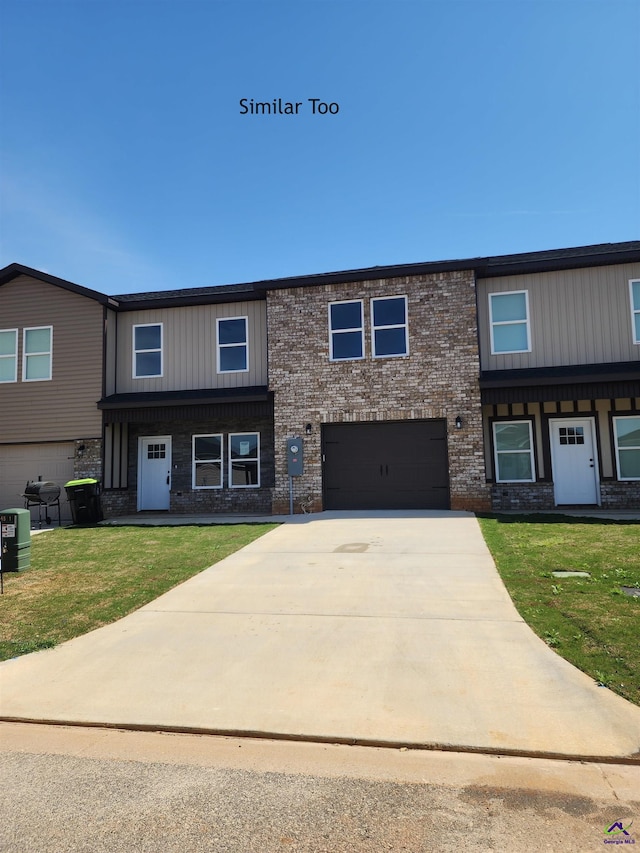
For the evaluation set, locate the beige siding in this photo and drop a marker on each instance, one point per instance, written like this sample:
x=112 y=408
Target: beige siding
x=64 y=407
x=189 y=343
x=576 y=317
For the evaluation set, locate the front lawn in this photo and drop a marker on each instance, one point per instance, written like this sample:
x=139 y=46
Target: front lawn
x=589 y=621
x=85 y=577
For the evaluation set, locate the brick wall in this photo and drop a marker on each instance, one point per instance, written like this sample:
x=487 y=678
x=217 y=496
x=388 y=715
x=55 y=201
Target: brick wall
x=524 y=496
x=438 y=379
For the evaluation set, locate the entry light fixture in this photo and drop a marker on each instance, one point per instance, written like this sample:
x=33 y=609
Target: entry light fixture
x=458 y=422
x=308 y=429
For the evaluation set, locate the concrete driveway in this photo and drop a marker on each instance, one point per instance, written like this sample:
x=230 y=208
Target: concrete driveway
x=387 y=628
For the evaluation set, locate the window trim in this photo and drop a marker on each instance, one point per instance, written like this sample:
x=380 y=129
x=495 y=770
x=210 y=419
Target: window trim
x=135 y=351
x=496 y=467
x=14 y=356
x=193 y=460
x=256 y=458
x=26 y=355
x=220 y=346
x=404 y=326
x=333 y=332
x=615 y=418
x=526 y=321
x=635 y=312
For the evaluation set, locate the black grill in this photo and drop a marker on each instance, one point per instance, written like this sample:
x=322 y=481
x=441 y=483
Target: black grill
x=43 y=494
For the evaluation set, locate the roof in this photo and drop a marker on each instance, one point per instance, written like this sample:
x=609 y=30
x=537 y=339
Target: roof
x=13 y=271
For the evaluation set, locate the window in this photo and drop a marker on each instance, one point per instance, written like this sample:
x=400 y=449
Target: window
x=389 y=326
x=635 y=310
x=627 y=441
x=233 y=347
x=346 y=330
x=9 y=355
x=244 y=460
x=513 y=444
x=147 y=350
x=509 y=313
x=37 y=351
x=571 y=435
x=207 y=461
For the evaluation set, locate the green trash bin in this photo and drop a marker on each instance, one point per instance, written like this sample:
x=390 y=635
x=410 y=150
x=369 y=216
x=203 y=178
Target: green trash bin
x=15 y=528
x=84 y=500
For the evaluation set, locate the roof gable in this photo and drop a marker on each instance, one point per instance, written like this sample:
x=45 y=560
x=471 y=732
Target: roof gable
x=13 y=271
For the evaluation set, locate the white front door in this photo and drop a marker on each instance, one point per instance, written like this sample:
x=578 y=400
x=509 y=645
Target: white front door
x=575 y=467
x=154 y=472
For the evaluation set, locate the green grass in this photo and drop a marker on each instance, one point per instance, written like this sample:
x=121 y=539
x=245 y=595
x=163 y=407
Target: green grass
x=589 y=621
x=82 y=578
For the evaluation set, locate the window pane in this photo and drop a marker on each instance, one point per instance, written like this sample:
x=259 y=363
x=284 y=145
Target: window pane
x=346 y=315
x=232 y=331
x=233 y=358
x=148 y=364
x=347 y=345
x=514 y=466
x=8 y=343
x=7 y=369
x=391 y=341
x=629 y=463
x=628 y=432
x=512 y=436
x=148 y=337
x=208 y=474
x=37 y=340
x=37 y=367
x=635 y=289
x=508 y=306
x=244 y=474
x=244 y=446
x=636 y=320
x=511 y=338
x=389 y=312
x=208 y=447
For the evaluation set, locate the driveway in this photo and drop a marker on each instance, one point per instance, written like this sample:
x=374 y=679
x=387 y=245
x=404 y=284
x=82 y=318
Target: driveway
x=385 y=627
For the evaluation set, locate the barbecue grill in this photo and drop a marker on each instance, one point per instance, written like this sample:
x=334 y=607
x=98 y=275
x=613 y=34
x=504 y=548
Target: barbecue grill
x=43 y=494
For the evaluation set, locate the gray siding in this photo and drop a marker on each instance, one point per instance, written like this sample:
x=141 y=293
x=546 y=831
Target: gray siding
x=576 y=317
x=64 y=407
x=189 y=343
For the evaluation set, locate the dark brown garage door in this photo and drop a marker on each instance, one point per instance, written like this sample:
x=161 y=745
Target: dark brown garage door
x=398 y=465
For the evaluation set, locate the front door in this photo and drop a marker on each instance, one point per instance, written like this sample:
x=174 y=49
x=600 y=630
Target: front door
x=575 y=468
x=154 y=472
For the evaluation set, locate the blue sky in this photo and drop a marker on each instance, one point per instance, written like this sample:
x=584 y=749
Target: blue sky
x=464 y=129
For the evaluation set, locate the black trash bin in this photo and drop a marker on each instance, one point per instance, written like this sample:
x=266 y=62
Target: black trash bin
x=84 y=500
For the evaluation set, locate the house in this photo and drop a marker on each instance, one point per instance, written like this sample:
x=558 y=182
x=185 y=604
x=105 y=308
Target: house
x=501 y=382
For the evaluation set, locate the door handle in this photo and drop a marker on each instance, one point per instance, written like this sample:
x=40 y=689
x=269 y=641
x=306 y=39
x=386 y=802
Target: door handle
x=386 y=470
x=168 y=475
x=381 y=470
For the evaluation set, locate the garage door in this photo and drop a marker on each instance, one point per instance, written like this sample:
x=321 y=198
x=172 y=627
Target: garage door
x=398 y=465
x=22 y=462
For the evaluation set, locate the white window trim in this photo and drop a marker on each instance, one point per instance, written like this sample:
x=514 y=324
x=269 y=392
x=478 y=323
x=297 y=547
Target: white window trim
x=526 y=321
x=220 y=346
x=256 y=458
x=615 y=441
x=14 y=356
x=155 y=349
x=496 y=451
x=25 y=354
x=404 y=326
x=635 y=312
x=333 y=332
x=193 y=460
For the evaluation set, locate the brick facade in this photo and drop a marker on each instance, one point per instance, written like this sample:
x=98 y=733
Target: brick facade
x=438 y=379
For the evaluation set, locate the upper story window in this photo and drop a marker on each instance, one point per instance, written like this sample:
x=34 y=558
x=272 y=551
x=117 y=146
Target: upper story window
x=635 y=310
x=513 y=446
x=244 y=460
x=233 y=345
x=207 y=461
x=346 y=330
x=627 y=441
x=389 y=331
x=37 y=353
x=147 y=350
x=509 y=313
x=9 y=355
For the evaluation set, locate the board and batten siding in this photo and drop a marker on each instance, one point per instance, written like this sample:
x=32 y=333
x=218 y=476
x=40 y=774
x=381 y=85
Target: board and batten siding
x=64 y=407
x=580 y=316
x=189 y=348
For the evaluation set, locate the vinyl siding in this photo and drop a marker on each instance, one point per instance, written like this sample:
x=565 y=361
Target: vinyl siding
x=189 y=344
x=576 y=317
x=64 y=407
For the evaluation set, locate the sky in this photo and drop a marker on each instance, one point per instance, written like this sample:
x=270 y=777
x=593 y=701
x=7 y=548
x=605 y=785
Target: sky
x=131 y=160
